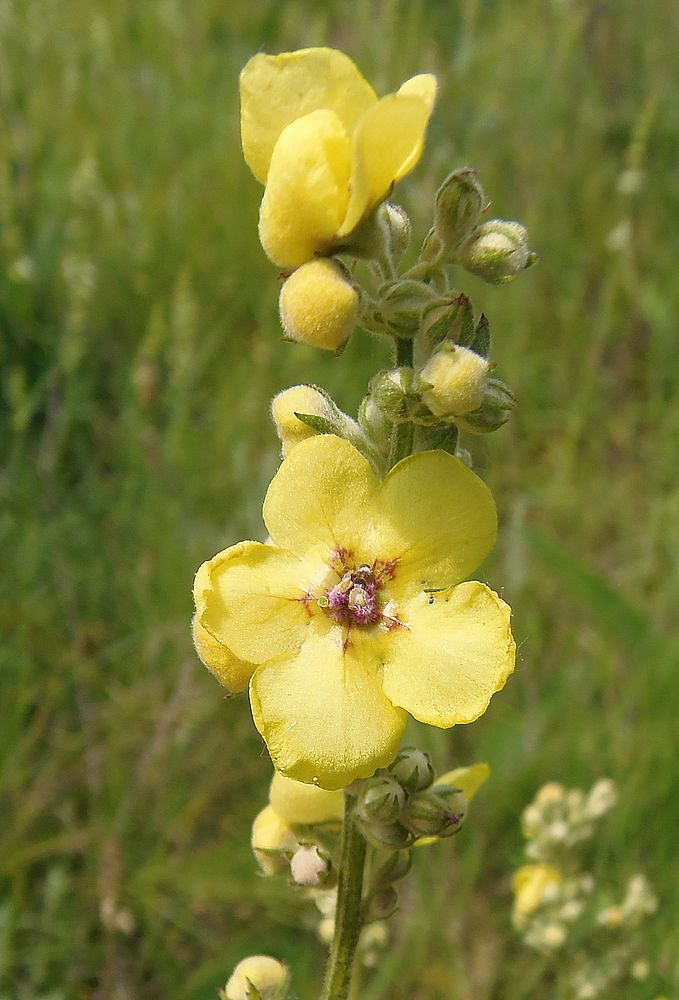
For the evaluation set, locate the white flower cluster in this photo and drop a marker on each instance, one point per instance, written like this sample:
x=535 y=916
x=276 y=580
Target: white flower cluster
x=558 y=818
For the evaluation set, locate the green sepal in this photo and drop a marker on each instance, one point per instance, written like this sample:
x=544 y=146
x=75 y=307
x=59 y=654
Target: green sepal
x=481 y=341
x=443 y=437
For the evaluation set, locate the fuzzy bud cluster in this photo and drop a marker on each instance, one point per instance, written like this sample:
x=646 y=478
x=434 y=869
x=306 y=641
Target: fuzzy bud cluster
x=258 y=977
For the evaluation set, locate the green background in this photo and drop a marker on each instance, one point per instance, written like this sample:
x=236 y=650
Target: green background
x=140 y=349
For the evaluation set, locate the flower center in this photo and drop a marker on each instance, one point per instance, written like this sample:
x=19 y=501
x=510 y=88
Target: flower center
x=353 y=601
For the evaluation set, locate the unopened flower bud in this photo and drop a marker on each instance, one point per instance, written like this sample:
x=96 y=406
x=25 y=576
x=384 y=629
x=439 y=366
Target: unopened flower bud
x=397 y=393
x=399 y=228
x=459 y=203
x=382 y=799
x=310 y=867
x=386 y=836
x=495 y=410
x=448 y=319
x=412 y=769
x=319 y=305
x=395 y=866
x=273 y=841
x=298 y=399
x=258 y=977
x=402 y=304
x=497 y=251
x=456 y=382
x=382 y=904
x=437 y=812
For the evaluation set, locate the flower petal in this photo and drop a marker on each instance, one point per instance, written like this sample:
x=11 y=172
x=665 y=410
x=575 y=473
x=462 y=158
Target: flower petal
x=275 y=90
x=423 y=86
x=229 y=670
x=307 y=189
x=437 y=518
x=306 y=804
x=321 y=498
x=323 y=713
x=469 y=778
x=248 y=597
x=455 y=652
x=387 y=143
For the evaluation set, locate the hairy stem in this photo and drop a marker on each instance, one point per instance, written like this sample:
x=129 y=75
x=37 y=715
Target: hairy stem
x=402 y=434
x=348 y=916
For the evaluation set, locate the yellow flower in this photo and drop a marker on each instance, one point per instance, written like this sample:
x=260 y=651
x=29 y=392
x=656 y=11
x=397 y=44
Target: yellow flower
x=328 y=151
x=355 y=614
x=319 y=305
x=532 y=885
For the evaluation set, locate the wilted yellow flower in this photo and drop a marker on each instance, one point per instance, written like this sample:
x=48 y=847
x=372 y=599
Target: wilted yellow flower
x=319 y=305
x=530 y=884
x=355 y=614
x=328 y=151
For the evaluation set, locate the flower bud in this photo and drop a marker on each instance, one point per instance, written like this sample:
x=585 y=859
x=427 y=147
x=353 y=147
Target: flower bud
x=397 y=393
x=298 y=399
x=437 y=812
x=386 y=836
x=319 y=305
x=310 y=867
x=448 y=319
x=297 y=802
x=497 y=251
x=395 y=866
x=459 y=203
x=272 y=841
x=382 y=799
x=382 y=904
x=258 y=977
x=399 y=228
x=412 y=769
x=402 y=303
x=457 y=380
x=495 y=410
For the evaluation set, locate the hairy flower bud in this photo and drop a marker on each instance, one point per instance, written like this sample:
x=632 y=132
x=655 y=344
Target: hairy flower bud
x=310 y=866
x=495 y=410
x=459 y=203
x=448 y=319
x=382 y=799
x=386 y=836
x=402 y=304
x=456 y=382
x=272 y=841
x=413 y=769
x=395 y=866
x=258 y=977
x=437 y=812
x=497 y=251
x=399 y=228
x=397 y=393
x=288 y=403
x=382 y=904
x=319 y=305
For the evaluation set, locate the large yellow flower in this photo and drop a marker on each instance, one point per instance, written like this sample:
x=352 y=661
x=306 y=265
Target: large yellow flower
x=355 y=614
x=328 y=151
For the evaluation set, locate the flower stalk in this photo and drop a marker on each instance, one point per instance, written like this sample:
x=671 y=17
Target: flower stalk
x=348 y=917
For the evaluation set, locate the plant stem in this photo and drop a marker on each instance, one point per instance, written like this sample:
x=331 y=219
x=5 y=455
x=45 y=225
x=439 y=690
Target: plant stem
x=402 y=435
x=348 y=914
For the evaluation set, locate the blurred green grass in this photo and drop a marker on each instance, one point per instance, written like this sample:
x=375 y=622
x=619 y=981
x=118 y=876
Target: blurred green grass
x=139 y=351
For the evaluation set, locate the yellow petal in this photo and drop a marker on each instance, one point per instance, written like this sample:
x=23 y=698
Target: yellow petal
x=275 y=90
x=299 y=803
x=249 y=597
x=455 y=651
x=321 y=499
x=307 y=189
x=387 y=144
x=469 y=779
x=438 y=518
x=323 y=713
x=233 y=673
x=423 y=86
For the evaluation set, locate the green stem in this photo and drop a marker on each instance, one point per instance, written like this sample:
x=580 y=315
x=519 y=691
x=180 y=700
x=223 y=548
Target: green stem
x=348 y=914
x=402 y=434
